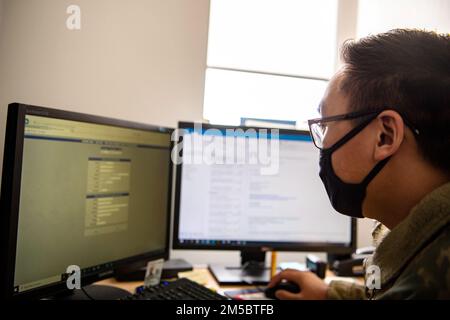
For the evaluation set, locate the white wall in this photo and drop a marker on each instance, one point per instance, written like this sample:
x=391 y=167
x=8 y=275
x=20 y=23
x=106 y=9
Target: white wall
x=346 y=25
x=383 y=15
x=140 y=60
x=1 y=13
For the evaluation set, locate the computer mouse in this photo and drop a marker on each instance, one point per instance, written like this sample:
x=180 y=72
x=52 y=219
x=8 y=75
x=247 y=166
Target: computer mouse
x=285 y=285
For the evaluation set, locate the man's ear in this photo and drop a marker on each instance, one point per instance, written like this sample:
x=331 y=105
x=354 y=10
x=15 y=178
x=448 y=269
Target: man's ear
x=390 y=134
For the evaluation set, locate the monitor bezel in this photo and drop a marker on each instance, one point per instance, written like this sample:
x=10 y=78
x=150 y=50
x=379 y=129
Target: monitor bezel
x=338 y=248
x=10 y=198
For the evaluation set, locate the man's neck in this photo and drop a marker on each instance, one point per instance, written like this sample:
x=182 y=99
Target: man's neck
x=396 y=194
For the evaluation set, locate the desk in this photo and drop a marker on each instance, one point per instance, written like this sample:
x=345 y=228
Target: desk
x=211 y=282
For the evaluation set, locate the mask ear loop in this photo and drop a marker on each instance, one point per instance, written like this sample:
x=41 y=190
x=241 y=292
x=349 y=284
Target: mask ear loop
x=375 y=171
x=351 y=134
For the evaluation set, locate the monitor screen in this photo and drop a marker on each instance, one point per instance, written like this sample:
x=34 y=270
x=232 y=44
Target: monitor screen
x=91 y=195
x=238 y=201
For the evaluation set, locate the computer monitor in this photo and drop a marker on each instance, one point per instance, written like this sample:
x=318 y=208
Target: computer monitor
x=253 y=190
x=80 y=190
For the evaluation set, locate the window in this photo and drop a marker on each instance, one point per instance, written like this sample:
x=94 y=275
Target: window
x=269 y=59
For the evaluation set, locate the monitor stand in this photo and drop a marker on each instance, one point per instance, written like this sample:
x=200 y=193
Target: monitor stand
x=252 y=271
x=96 y=292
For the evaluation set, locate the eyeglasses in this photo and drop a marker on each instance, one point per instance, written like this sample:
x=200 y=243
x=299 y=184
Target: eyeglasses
x=318 y=127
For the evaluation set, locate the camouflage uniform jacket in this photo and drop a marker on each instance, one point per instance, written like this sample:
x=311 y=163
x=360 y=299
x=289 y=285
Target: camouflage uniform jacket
x=413 y=258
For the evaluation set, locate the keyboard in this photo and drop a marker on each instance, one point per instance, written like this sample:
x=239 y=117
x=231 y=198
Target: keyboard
x=181 y=289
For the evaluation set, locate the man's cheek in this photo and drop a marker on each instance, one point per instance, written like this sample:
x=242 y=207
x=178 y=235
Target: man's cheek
x=349 y=164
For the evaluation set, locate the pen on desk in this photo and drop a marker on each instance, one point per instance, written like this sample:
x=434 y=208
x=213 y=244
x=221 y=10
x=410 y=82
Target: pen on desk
x=273 y=266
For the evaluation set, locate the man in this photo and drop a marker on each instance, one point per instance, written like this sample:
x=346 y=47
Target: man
x=384 y=137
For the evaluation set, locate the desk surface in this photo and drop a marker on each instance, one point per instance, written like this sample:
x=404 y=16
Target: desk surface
x=211 y=282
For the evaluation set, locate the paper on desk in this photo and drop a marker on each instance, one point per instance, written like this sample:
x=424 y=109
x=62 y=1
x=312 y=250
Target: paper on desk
x=199 y=276
x=293 y=265
x=245 y=294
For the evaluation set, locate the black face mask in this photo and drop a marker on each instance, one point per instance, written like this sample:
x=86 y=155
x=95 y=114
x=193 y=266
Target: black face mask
x=346 y=198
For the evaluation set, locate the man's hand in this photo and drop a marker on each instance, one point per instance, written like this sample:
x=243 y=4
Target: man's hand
x=312 y=287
